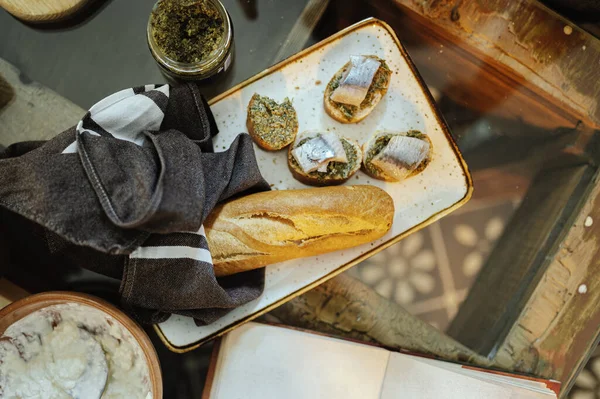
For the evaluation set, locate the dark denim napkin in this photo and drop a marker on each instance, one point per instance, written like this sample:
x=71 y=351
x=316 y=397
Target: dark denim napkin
x=125 y=192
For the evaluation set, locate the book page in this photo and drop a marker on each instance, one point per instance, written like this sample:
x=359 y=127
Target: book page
x=522 y=388
x=409 y=377
x=260 y=362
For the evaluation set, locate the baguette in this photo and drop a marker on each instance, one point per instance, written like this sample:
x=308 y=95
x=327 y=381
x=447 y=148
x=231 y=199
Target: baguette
x=265 y=228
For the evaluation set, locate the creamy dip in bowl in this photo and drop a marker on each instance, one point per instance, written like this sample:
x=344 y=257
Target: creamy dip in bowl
x=70 y=349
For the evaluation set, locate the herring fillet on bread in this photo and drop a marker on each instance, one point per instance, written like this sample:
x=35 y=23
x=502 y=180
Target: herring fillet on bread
x=402 y=166
x=336 y=171
x=274 y=226
x=345 y=112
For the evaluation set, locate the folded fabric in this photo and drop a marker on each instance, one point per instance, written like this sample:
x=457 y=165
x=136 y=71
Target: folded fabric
x=125 y=192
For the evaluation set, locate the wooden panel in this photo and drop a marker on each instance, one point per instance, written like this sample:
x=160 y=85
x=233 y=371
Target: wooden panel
x=523 y=36
x=520 y=257
x=467 y=76
x=560 y=324
x=496 y=184
x=465 y=70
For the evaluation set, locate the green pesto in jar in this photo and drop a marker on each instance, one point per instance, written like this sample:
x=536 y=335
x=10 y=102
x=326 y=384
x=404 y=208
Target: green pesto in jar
x=382 y=141
x=187 y=31
x=335 y=169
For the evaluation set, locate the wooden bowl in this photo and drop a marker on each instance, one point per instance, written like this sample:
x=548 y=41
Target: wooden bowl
x=23 y=307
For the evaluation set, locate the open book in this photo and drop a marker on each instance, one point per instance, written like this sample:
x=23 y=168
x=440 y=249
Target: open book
x=258 y=361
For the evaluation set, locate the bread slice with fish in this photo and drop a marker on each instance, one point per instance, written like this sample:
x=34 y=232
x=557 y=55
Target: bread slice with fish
x=356 y=89
x=273 y=126
x=323 y=158
x=273 y=226
x=395 y=156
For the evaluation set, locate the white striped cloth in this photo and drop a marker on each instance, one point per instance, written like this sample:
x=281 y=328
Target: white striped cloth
x=175 y=245
x=125 y=115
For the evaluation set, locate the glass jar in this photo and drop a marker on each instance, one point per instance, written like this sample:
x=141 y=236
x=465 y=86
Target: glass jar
x=219 y=60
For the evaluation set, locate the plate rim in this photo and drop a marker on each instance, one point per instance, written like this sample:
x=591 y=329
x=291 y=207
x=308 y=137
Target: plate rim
x=439 y=118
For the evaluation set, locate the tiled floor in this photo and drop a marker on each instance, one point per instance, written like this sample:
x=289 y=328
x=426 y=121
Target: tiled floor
x=430 y=272
x=587 y=385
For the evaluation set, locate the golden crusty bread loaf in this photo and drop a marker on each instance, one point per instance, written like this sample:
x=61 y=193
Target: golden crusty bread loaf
x=270 y=227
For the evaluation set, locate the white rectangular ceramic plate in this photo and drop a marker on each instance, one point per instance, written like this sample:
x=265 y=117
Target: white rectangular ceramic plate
x=442 y=187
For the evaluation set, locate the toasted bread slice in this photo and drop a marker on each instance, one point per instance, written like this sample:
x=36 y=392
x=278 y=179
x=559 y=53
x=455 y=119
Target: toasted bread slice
x=345 y=113
x=273 y=126
x=337 y=172
x=378 y=142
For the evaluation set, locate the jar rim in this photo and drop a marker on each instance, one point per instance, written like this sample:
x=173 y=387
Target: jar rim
x=206 y=66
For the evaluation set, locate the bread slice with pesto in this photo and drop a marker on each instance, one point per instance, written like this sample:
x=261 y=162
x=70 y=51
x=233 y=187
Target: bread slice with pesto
x=323 y=158
x=273 y=126
x=395 y=156
x=356 y=89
